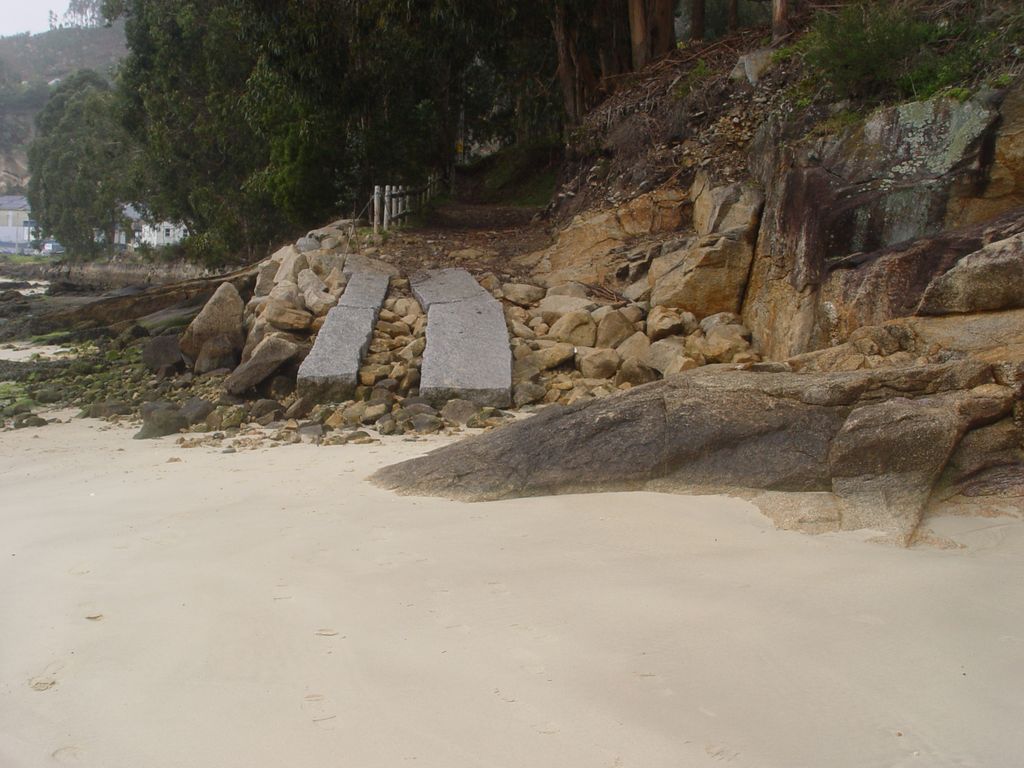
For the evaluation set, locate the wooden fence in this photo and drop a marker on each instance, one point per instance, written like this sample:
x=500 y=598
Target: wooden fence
x=390 y=204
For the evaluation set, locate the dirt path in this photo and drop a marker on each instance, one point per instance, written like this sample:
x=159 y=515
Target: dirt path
x=480 y=238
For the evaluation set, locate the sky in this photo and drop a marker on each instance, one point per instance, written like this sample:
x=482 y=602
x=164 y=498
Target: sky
x=17 y=16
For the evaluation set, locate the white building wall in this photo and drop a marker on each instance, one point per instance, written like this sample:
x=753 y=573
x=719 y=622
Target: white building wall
x=163 y=233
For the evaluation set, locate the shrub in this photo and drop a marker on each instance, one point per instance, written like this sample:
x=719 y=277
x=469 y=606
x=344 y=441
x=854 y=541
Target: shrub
x=868 y=50
x=875 y=50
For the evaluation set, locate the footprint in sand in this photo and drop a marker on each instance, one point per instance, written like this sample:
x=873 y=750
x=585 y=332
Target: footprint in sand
x=320 y=710
x=47 y=679
x=69 y=754
x=498 y=588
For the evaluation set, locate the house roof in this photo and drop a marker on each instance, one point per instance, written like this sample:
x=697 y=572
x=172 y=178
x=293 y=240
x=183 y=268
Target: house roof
x=13 y=203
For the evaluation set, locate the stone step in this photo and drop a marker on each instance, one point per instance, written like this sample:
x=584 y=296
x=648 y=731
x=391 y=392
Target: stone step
x=331 y=371
x=467 y=353
x=444 y=286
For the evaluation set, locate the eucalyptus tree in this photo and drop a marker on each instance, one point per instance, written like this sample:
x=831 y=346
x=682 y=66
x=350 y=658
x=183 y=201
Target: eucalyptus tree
x=81 y=164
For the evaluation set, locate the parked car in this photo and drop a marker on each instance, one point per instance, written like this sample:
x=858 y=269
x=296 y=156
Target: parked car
x=52 y=248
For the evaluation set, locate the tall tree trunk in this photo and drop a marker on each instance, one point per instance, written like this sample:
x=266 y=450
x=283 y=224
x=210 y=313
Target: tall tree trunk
x=662 y=27
x=734 y=15
x=639 y=34
x=567 y=75
x=780 y=19
x=697 y=8
x=609 y=26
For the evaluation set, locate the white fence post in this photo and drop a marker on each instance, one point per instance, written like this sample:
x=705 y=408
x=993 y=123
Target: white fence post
x=377 y=212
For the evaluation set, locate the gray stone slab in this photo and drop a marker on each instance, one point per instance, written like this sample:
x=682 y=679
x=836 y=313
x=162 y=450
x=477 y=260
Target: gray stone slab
x=443 y=286
x=331 y=371
x=357 y=262
x=467 y=353
x=366 y=290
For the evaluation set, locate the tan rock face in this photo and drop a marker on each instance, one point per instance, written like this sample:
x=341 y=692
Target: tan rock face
x=886 y=182
x=1005 y=188
x=664 y=321
x=725 y=208
x=550 y=357
x=214 y=339
x=600 y=364
x=635 y=347
x=583 y=250
x=659 y=211
x=292 y=262
x=668 y=356
x=613 y=329
x=991 y=278
x=551 y=308
x=707 y=278
x=287 y=316
x=576 y=328
x=522 y=294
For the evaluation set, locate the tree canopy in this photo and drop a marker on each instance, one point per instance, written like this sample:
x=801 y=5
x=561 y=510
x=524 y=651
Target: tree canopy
x=258 y=119
x=81 y=163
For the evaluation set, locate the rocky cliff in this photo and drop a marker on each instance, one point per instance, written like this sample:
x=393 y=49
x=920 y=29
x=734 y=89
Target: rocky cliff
x=877 y=263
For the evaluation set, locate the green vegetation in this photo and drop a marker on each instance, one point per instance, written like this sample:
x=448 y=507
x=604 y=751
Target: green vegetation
x=838 y=123
x=874 y=51
x=693 y=79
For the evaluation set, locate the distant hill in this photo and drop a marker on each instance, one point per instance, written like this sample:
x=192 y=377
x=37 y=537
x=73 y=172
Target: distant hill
x=27 y=64
x=59 y=52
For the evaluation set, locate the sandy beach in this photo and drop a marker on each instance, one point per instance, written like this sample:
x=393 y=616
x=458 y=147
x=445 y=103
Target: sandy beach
x=171 y=608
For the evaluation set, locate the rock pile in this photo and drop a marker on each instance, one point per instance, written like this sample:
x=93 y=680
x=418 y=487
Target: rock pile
x=568 y=347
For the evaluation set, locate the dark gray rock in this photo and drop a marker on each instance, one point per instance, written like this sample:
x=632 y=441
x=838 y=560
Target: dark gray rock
x=105 y=410
x=718 y=428
x=160 y=419
x=24 y=420
x=426 y=424
x=162 y=354
x=271 y=354
x=196 y=409
x=459 y=411
x=887 y=457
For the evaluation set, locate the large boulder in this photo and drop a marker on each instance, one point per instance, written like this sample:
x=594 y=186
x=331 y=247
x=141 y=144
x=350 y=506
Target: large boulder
x=894 y=178
x=292 y=263
x=160 y=419
x=576 y=328
x=989 y=279
x=216 y=336
x=707 y=278
x=269 y=355
x=920 y=277
x=719 y=428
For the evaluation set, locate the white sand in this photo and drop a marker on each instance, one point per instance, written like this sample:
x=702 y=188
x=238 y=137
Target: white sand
x=21 y=352
x=272 y=609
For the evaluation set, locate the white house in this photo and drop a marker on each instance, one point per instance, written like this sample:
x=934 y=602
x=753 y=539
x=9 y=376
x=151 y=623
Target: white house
x=15 y=223
x=153 y=234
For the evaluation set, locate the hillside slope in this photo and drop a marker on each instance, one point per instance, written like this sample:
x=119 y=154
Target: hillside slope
x=27 y=64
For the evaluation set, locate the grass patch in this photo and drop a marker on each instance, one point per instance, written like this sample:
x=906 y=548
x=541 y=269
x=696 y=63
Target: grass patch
x=837 y=123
